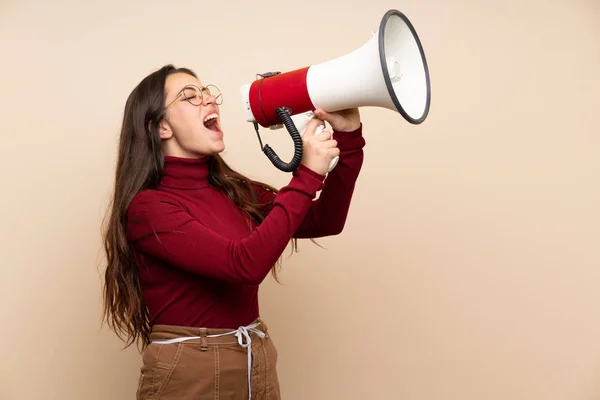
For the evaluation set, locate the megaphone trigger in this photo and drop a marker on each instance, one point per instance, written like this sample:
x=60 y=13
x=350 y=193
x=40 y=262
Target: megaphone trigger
x=301 y=121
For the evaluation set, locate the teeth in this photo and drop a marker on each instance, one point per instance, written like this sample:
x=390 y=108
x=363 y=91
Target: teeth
x=211 y=116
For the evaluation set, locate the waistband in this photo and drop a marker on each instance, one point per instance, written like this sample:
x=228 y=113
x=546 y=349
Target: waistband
x=162 y=333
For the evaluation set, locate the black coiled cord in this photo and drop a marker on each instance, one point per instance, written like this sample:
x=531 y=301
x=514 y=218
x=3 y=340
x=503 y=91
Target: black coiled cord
x=284 y=115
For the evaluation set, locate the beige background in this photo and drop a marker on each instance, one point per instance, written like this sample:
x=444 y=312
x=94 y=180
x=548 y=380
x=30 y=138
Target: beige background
x=469 y=267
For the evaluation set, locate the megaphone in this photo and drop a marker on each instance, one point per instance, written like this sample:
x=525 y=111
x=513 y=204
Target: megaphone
x=389 y=71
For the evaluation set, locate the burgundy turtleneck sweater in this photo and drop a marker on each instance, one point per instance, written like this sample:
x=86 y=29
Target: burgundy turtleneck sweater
x=199 y=263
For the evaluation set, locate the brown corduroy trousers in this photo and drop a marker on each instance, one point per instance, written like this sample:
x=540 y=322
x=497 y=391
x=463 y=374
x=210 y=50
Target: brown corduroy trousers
x=209 y=364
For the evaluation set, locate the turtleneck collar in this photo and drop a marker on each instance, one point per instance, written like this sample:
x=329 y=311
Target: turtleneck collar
x=185 y=173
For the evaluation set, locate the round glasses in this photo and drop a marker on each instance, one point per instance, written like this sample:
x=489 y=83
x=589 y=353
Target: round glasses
x=195 y=95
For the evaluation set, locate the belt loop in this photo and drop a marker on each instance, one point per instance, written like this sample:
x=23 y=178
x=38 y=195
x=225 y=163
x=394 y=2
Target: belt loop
x=265 y=328
x=203 y=341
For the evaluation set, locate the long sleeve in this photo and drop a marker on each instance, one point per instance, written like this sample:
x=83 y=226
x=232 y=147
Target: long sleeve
x=161 y=227
x=327 y=215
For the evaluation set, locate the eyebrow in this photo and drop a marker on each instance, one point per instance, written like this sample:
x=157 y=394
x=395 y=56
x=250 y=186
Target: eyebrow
x=191 y=85
x=180 y=92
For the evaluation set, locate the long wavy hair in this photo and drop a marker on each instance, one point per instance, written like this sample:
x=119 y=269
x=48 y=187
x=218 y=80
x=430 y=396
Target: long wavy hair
x=140 y=166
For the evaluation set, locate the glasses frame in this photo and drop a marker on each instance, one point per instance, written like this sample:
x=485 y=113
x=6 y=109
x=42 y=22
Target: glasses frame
x=218 y=99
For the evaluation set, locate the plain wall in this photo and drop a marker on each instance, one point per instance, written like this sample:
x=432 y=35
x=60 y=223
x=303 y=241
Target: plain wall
x=469 y=267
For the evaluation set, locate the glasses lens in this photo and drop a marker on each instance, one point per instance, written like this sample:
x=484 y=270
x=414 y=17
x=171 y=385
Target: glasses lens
x=192 y=95
x=212 y=90
x=196 y=97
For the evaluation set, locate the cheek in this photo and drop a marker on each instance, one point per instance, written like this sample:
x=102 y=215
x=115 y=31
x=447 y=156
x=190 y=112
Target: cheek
x=191 y=116
x=188 y=121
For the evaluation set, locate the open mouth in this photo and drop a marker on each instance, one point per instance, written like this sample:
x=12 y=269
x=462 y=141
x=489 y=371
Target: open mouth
x=212 y=122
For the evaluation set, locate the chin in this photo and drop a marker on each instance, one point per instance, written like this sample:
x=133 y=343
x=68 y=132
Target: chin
x=218 y=148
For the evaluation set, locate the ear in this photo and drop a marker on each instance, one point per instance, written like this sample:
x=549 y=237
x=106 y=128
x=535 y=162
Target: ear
x=164 y=129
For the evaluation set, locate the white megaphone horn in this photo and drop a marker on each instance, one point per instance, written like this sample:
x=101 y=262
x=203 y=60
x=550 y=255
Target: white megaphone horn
x=389 y=71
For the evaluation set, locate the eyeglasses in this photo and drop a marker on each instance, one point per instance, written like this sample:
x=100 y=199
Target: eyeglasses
x=195 y=95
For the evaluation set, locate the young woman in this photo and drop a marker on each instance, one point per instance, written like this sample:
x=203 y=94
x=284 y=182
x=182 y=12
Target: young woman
x=189 y=240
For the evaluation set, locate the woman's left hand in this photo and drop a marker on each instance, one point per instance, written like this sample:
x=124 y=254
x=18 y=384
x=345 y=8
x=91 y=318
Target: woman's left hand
x=341 y=121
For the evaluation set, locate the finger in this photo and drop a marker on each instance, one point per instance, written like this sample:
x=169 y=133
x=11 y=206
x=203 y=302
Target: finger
x=330 y=144
x=312 y=126
x=334 y=152
x=322 y=114
x=325 y=116
x=324 y=135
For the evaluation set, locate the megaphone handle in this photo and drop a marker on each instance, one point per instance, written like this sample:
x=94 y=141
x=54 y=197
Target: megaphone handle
x=309 y=115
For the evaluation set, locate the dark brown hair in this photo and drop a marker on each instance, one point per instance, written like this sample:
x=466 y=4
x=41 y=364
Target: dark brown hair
x=140 y=166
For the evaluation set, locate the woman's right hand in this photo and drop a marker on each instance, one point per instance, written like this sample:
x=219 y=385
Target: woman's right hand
x=318 y=150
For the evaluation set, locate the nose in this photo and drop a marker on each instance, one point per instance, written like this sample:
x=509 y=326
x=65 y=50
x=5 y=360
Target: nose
x=209 y=99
